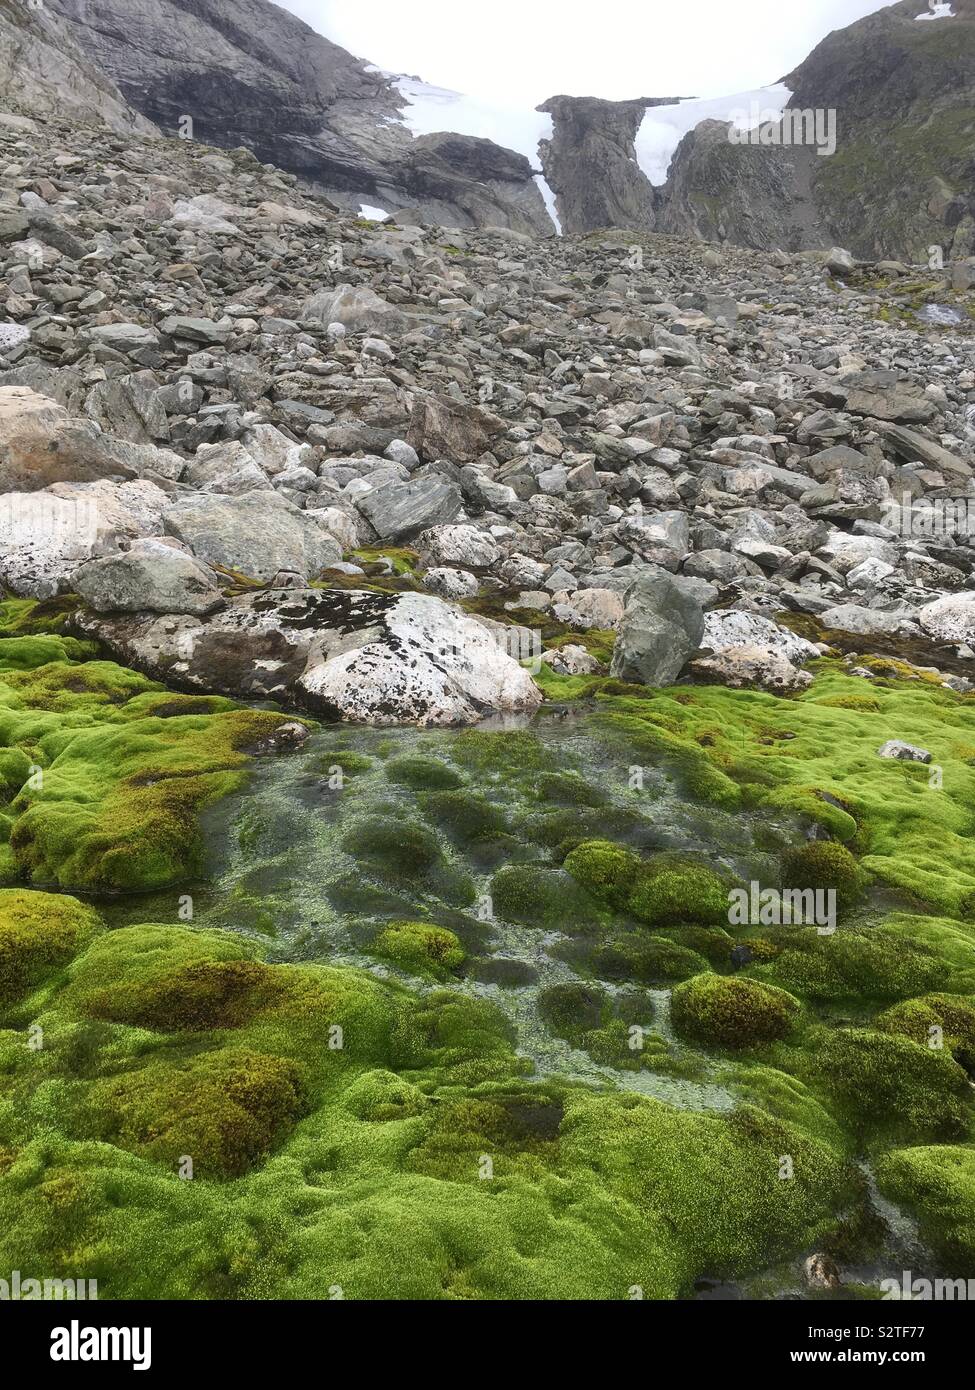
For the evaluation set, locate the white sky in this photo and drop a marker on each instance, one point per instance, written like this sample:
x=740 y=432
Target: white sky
x=518 y=52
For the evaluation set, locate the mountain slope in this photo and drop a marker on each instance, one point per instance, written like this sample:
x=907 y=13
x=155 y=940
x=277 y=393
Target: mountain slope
x=44 y=72
x=249 y=73
x=903 y=177
x=902 y=85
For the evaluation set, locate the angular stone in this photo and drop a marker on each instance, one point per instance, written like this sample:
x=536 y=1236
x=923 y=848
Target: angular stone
x=257 y=534
x=404 y=510
x=662 y=628
x=150 y=577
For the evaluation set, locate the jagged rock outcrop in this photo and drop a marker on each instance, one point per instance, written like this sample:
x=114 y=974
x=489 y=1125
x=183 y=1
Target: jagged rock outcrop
x=246 y=72
x=591 y=164
x=44 y=72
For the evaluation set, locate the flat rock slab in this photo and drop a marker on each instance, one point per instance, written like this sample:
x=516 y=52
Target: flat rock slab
x=350 y=655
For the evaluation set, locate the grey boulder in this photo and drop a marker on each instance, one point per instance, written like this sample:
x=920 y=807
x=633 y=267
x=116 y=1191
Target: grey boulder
x=153 y=577
x=258 y=534
x=662 y=628
x=403 y=510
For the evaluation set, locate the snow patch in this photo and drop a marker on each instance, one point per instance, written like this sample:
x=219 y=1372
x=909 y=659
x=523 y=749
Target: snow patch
x=372 y=214
x=431 y=110
x=663 y=127
x=938 y=11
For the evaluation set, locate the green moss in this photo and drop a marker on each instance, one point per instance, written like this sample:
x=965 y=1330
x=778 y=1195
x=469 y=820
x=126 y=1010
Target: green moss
x=224 y=1110
x=115 y=792
x=936 y=1021
x=867 y=963
x=783 y=756
x=349 y=763
x=22 y=617
x=605 y=870
x=732 y=1012
x=465 y=816
x=419 y=948
x=422 y=774
x=395 y=848
x=543 y=898
x=571 y=1010
x=611 y=1028
x=402 y=560
x=515 y=753
x=567 y=789
x=38 y=935
x=886 y=1088
x=938 y=1185
x=823 y=864
x=652 y=960
x=670 y=889
x=170 y=982
x=382 y=1097
x=395 y=1120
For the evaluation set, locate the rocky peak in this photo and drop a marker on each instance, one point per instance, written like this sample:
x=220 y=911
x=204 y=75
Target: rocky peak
x=591 y=163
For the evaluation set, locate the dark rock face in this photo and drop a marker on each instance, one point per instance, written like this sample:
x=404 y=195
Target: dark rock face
x=750 y=195
x=591 y=165
x=249 y=73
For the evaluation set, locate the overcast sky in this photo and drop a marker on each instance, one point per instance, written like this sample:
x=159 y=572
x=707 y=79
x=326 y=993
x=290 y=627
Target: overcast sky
x=522 y=51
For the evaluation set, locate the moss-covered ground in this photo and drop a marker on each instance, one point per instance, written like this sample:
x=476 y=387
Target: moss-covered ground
x=466 y=1015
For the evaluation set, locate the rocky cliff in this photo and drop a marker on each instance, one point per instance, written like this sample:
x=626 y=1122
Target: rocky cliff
x=903 y=90
x=44 y=72
x=245 y=72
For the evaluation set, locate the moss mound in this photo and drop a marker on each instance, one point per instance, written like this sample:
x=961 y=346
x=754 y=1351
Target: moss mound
x=543 y=898
x=732 y=1012
x=857 y=963
x=823 y=864
x=419 y=948
x=605 y=870
x=224 y=1110
x=465 y=816
x=886 y=1087
x=669 y=890
x=611 y=1028
x=937 y=1021
x=170 y=980
x=393 y=848
x=652 y=960
x=939 y=1184
x=423 y=774
x=39 y=933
